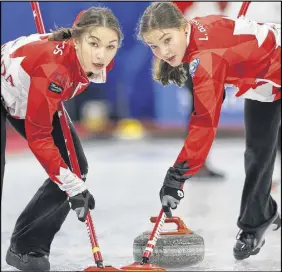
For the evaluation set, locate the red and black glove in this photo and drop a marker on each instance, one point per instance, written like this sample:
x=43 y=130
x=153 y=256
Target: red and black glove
x=171 y=192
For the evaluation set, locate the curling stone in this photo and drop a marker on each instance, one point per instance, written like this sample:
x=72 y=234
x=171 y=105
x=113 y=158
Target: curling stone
x=173 y=249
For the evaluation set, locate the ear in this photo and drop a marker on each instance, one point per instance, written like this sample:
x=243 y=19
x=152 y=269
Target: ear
x=187 y=28
x=76 y=42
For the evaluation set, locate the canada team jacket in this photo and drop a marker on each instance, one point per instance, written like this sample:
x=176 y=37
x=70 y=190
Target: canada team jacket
x=36 y=75
x=225 y=52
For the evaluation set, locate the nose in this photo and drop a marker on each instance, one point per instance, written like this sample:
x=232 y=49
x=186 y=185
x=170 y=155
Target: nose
x=100 y=54
x=165 y=51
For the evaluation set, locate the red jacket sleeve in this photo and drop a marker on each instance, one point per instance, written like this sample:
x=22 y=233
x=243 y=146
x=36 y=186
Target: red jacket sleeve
x=208 y=73
x=46 y=89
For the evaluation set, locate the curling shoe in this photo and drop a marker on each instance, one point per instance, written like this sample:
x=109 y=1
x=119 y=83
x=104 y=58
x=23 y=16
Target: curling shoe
x=250 y=243
x=31 y=261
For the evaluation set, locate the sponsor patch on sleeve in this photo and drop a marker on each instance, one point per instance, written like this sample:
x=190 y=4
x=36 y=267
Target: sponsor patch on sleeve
x=193 y=66
x=55 y=88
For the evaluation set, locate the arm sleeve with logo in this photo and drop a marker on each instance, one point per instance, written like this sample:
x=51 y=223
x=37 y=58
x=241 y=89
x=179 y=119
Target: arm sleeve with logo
x=46 y=90
x=208 y=81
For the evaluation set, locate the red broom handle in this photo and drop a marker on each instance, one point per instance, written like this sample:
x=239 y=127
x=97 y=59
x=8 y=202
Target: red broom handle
x=161 y=218
x=244 y=9
x=70 y=148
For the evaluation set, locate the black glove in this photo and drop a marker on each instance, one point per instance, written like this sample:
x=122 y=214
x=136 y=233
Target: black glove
x=81 y=204
x=170 y=198
x=171 y=192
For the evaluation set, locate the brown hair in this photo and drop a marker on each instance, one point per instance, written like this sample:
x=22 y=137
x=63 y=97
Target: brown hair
x=159 y=16
x=94 y=16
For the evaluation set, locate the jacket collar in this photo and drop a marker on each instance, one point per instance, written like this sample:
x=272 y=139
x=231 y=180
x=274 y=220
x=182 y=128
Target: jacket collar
x=188 y=44
x=78 y=72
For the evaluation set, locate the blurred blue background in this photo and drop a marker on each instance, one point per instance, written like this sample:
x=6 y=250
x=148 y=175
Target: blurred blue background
x=130 y=91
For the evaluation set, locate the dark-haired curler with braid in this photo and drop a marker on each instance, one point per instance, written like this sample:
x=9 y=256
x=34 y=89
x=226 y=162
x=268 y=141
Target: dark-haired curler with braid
x=52 y=68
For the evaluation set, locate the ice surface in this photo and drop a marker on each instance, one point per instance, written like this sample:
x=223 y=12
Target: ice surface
x=125 y=178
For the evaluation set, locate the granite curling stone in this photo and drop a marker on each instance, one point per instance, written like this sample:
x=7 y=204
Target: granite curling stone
x=182 y=247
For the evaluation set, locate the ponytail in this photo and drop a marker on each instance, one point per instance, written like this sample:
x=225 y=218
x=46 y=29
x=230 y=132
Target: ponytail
x=166 y=74
x=60 y=34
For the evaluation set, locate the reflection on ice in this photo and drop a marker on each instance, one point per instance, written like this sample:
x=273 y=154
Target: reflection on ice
x=125 y=178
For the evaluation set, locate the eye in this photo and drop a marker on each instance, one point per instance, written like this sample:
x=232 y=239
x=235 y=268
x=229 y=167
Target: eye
x=111 y=47
x=167 y=40
x=153 y=47
x=94 y=44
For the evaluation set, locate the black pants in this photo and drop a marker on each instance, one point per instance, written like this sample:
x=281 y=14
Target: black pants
x=45 y=213
x=262 y=123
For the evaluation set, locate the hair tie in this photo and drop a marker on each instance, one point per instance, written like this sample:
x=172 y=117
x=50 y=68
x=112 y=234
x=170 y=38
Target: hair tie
x=67 y=34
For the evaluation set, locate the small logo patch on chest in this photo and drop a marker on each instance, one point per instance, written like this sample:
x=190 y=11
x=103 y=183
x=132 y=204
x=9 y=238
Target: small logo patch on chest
x=55 y=88
x=193 y=66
